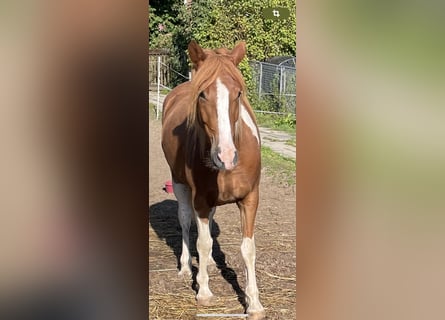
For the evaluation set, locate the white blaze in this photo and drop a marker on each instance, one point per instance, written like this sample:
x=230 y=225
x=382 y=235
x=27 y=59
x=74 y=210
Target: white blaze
x=248 y=120
x=227 y=148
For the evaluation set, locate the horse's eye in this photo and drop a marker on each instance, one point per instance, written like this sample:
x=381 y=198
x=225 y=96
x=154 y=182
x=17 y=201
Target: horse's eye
x=202 y=95
x=239 y=94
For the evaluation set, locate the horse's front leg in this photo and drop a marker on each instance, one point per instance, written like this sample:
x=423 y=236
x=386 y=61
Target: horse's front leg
x=204 y=247
x=185 y=212
x=248 y=207
x=211 y=262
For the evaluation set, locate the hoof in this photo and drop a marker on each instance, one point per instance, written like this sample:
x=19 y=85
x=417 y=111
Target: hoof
x=185 y=273
x=206 y=301
x=256 y=315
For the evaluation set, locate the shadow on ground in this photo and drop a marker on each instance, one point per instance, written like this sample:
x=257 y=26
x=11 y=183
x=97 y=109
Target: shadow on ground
x=163 y=217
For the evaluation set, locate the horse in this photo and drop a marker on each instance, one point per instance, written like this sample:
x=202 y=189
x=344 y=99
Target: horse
x=212 y=145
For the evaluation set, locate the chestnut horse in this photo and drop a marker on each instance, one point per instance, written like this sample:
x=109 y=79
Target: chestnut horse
x=212 y=145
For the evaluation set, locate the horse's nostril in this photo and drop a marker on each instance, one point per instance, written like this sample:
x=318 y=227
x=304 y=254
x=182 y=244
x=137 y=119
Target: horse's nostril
x=218 y=162
x=235 y=158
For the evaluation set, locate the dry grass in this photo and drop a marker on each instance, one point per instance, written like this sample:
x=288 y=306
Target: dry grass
x=172 y=297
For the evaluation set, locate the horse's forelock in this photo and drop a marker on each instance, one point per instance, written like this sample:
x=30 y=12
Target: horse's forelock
x=212 y=67
x=207 y=74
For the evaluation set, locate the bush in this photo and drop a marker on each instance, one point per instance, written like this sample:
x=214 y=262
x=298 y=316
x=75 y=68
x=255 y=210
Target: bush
x=215 y=24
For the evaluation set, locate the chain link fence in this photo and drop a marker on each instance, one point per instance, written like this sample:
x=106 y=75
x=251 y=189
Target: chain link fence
x=275 y=84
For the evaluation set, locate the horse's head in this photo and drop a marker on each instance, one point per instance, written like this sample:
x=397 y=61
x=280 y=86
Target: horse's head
x=218 y=91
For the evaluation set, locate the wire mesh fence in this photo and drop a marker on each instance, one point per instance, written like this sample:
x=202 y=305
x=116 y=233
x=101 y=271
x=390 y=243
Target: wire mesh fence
x=163 y=72
x=275 y=85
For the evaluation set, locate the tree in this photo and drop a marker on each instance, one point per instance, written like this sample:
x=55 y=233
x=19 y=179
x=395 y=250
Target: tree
x=162 y=23
x=219 y=23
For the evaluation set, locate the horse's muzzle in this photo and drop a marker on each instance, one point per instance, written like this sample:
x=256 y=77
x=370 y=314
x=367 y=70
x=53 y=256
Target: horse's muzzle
x=225 y=160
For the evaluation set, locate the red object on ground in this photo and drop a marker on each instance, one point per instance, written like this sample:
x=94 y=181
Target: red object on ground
x=168 y=187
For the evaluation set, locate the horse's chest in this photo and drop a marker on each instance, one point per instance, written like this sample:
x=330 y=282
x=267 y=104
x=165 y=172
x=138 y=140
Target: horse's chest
x=232 y=188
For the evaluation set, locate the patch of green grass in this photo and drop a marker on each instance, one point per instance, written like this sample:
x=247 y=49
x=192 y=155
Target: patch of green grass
x=152 y=110
x=280 y=122
x=281 y=168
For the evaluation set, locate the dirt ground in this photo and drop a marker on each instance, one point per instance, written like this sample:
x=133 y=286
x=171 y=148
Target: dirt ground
x=171 y=297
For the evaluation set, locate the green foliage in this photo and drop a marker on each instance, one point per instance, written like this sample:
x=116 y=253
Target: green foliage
x=286 y=121
x=218 y=23
x=161 y=24
x=282 y=169
x=279 y=122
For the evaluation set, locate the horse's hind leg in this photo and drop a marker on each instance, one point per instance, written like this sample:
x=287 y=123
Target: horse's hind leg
x=204 y=246
x=185 y=212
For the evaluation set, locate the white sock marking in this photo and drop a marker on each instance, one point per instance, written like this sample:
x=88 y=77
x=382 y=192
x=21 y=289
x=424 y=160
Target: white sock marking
x=204 y=247
x=248 y=253
x=248 y=120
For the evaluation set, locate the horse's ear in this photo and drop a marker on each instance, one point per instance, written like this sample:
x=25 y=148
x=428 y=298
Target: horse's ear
x=196 y=53
x=238 y=52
